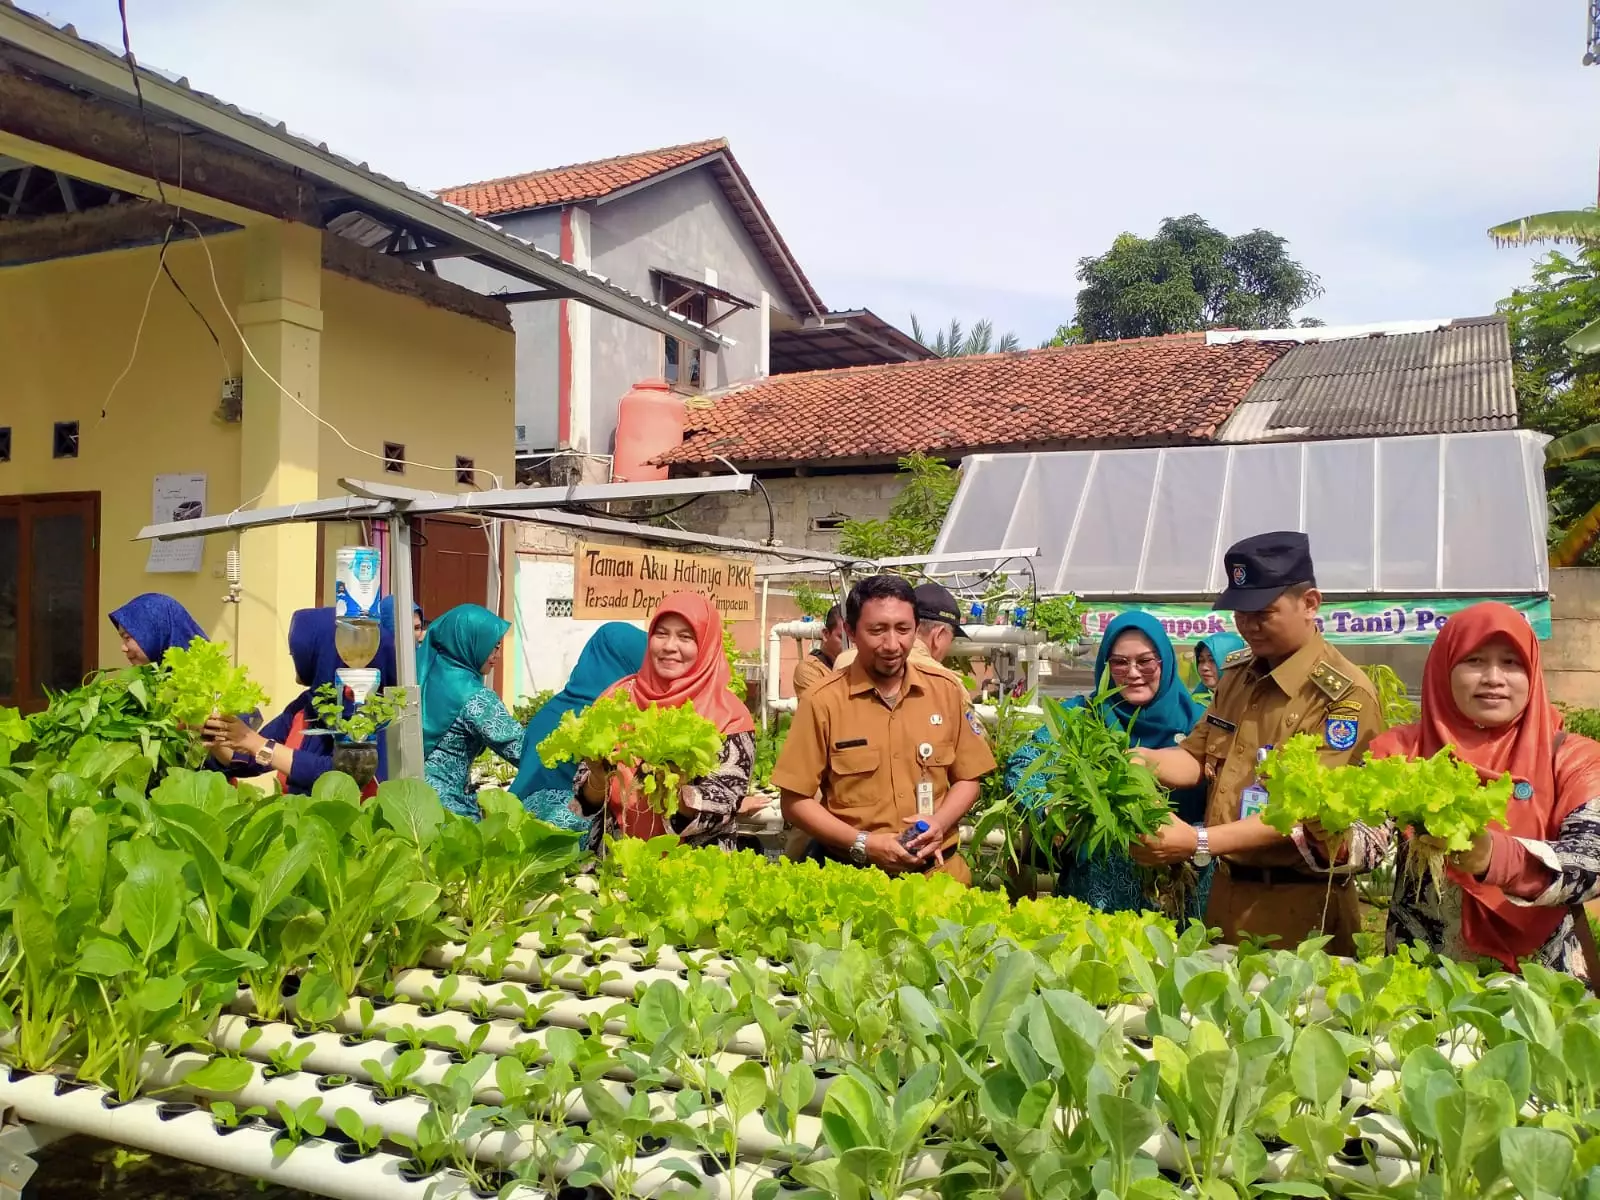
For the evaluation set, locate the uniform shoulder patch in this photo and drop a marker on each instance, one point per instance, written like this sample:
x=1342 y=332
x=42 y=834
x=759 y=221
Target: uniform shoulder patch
x=975 y=722
x=1340 y=733
x=1330 y=681
x=1234 y=657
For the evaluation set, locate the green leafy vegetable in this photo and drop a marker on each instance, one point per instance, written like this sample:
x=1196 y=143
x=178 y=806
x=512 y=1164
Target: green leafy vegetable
x=200 y=682
x=358 y=722
x=1441 y=798
x=663 y=747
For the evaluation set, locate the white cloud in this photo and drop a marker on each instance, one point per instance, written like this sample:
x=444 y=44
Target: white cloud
x=944 y=156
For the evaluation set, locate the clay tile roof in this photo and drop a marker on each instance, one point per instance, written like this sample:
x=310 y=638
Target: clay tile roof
x=1155 y=391
x=591 y=180
x=570 y=184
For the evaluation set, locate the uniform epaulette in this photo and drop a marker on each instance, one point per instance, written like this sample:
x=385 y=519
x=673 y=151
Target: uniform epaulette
x=1331 y=682
x=1234 y=657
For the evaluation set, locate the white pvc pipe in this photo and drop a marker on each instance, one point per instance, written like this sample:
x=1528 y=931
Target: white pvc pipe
x=193 y=1137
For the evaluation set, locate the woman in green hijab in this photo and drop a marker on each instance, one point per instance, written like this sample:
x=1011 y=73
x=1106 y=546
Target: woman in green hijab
x=1210 y=660
x=460 y=716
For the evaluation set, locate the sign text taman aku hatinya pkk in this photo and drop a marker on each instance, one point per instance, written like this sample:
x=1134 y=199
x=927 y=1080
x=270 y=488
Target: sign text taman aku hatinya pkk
x=625 y=583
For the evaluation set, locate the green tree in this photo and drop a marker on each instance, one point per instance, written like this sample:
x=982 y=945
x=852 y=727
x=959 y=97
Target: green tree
x=954 y=342
x=1065 y=335
x=1188 y=277
x=914 y=518
x=1555 y=348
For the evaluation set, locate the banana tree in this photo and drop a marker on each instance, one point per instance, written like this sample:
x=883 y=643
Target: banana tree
x=1578 y=227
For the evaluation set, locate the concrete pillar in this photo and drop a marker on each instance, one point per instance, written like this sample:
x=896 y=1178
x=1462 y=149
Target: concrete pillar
x=280 y=312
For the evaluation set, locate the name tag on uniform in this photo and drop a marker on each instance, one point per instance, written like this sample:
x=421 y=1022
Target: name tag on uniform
x=925 y=798
x=851 y=744
x=1225 y=726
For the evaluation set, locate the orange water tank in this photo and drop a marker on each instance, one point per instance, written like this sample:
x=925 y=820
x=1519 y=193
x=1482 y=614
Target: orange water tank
x=649 y=422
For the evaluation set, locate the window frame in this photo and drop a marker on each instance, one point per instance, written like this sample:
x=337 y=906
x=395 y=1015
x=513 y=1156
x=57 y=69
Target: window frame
x=695 y=306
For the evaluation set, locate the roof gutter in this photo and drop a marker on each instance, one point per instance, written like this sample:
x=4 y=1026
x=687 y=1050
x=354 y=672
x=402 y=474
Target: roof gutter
x=476 y=238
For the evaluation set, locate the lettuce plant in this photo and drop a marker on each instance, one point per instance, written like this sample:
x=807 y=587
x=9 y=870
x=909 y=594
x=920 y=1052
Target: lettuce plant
x=663 y=747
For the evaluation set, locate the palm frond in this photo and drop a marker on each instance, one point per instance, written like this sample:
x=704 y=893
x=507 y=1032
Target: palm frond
x=1008 y=343
x=1574 y=226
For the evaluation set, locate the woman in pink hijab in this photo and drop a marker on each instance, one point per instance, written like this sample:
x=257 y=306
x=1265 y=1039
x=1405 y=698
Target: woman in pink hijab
x=683 y=661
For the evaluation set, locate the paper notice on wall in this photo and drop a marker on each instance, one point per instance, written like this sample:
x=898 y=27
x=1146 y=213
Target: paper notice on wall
x=177 y=498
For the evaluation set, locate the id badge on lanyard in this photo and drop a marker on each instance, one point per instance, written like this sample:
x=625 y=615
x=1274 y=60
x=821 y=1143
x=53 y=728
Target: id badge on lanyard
x=925 y=784
x=1254 y=797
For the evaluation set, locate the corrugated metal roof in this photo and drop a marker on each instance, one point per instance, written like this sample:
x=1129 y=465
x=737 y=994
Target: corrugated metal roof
x=1456 y=379
x=19 y=29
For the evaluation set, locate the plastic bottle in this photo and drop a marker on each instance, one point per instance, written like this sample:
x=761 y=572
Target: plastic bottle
x=912 y=834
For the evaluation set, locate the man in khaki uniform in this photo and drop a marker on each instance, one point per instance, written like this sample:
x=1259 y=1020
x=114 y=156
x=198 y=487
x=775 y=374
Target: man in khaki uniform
x=1289 y=680
x=878 y=746
x=815 y=666
x=938 y=625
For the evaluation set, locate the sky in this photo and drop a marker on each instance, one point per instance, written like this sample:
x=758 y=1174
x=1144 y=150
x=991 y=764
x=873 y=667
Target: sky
x=954 y=159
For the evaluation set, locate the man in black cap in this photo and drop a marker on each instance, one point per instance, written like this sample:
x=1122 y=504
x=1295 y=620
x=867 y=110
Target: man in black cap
x=1288 y=680
x=938 y=625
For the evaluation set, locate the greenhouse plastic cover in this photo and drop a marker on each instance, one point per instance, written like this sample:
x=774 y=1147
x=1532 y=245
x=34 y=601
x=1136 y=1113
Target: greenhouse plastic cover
x=1453 y=514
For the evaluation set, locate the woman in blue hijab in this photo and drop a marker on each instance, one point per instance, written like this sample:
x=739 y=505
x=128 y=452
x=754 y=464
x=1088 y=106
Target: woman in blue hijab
x=614 y=650
x=282 y=744
x=460 y=716
x=152 y=624
x=1211 y=660
x=1153 y=705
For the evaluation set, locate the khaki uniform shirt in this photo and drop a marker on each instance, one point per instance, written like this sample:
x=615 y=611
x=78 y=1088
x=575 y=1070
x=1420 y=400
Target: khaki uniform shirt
x=808 y=671
x=864 y=756
x=1316 y=690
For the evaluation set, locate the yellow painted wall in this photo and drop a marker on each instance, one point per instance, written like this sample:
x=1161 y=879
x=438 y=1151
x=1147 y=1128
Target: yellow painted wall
x=392 y=369
x=66 y=333
x=397 y=370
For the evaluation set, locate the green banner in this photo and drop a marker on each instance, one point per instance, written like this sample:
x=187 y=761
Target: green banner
x=1381 y=622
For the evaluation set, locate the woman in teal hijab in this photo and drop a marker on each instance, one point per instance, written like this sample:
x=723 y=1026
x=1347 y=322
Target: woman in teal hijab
x=615 y=649
x=1154 y=706
x=460 y=716
x=1211 y=660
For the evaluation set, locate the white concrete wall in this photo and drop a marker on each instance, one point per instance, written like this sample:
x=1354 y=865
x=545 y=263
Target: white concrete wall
x=537 y=326
x=684 y=225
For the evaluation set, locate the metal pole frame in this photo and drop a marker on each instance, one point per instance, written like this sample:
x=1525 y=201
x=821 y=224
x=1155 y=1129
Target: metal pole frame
x=405 y=731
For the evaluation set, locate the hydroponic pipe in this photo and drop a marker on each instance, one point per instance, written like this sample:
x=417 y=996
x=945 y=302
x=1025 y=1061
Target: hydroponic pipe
x=332 y=1057
x=191 y=1136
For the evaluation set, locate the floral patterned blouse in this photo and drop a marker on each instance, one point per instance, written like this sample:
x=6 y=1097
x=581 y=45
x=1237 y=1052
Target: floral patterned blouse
x=483 y=724
x=710 y=804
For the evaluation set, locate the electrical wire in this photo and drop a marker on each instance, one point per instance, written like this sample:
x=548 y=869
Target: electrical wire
x=179 y=219
x=293 y=399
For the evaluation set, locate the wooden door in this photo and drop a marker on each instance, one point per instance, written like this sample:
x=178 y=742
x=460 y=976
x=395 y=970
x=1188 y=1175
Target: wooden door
x=49 y=595
x=450 y=565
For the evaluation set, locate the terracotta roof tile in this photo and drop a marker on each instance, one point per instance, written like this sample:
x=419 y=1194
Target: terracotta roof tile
x=592 y=180
x=1159 y=391
x=570 y=184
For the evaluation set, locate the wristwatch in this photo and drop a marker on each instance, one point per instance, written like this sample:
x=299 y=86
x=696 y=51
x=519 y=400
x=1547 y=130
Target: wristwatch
x=858 y=850
x=1202 y=849
x=264 y=755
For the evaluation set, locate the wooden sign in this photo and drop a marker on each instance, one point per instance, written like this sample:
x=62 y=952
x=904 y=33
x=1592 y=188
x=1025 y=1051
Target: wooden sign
x=626 y=583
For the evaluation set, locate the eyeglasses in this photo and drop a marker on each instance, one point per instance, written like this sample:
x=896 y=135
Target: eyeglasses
x=1126 y=666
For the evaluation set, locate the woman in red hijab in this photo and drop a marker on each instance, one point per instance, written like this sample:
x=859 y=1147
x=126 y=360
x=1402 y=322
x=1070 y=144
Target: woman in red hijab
x=683 y=661
x=1483 y=694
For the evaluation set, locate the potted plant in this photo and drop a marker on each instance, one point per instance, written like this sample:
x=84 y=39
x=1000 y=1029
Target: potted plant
x=355 y=726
